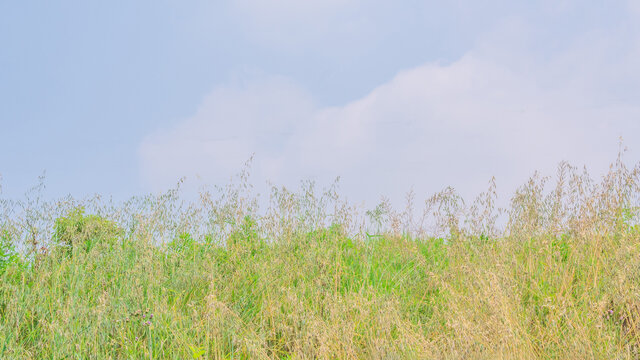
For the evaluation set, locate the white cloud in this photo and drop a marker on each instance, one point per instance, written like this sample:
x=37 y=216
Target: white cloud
x=459 y=124
x=499 y=110
x=231 y=124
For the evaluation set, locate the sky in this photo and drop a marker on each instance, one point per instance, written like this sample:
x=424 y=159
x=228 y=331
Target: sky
x=125 y=98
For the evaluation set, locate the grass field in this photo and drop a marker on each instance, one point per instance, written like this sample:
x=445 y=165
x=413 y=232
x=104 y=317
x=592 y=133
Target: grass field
x=313 y=277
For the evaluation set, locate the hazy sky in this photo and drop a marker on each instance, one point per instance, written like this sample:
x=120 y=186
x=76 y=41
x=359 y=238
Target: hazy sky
x=126 y=97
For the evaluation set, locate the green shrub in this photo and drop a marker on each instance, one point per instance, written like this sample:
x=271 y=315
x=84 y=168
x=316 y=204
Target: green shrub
x=80 y=231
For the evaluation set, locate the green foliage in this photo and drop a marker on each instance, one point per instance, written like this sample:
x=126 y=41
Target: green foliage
x=82 y=232
x=183 y=244
x=630 y=219
x=197 y=352
x=246 y=236
x=561 y=247
x=8 y=254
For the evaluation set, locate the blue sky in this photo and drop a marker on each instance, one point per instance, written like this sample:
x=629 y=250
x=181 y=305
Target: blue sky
x=126 y=97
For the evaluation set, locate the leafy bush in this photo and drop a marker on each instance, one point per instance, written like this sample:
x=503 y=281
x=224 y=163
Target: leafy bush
x=77 y=230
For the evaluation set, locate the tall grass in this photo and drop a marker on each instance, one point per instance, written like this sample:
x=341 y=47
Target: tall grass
x=312 y=276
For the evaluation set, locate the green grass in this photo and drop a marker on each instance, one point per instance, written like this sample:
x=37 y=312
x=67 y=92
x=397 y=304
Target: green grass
x=285 y=286
x=325 y=295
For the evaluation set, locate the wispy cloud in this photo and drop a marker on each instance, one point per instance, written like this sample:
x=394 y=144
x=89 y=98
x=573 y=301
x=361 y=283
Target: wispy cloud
x=232 y=123
x=289 y=24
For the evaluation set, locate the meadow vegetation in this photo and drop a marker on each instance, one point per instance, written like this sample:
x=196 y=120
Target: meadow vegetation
x=554 y=275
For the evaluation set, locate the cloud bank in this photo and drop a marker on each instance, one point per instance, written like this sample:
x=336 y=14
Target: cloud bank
x=503 y=109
